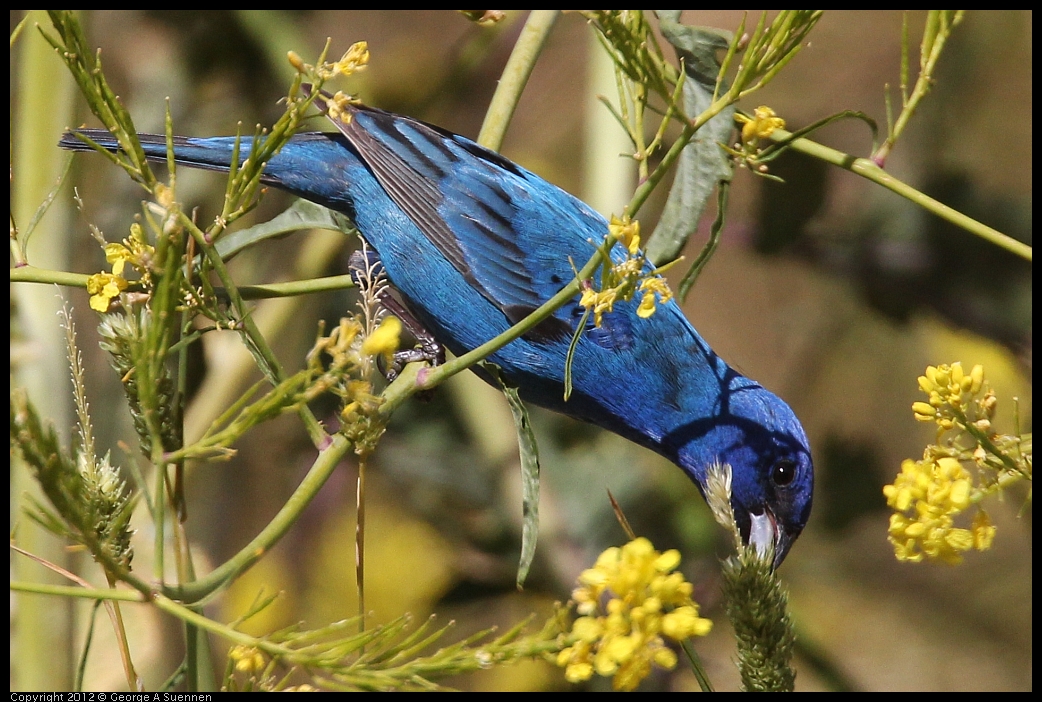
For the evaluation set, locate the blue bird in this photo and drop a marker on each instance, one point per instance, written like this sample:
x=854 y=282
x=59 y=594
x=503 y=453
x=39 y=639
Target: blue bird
x=473 y=243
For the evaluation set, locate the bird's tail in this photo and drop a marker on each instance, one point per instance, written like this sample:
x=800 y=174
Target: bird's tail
x=213 y=154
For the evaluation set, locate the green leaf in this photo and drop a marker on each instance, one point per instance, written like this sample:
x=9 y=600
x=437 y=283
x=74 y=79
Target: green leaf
x=703 y=163
x=302 y=214
x=529 y=473
x=571 y=354
x=529 y=483
x=688 y=281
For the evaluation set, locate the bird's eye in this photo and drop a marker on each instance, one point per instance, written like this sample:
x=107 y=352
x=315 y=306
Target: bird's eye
x=783 y=472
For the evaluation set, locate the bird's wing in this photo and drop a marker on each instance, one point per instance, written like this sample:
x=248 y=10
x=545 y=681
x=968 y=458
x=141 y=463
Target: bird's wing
x=513 y=236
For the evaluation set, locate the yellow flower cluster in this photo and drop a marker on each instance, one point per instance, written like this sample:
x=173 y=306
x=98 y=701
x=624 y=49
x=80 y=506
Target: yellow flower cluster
x=953 y=397
x=927 y=496
x=621 y=280
x=247 y=659
x=629 y=600
x=346 y=347
x=103 y=287
x=354 y=59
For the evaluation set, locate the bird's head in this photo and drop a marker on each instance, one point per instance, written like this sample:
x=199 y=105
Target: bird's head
x=772 y=475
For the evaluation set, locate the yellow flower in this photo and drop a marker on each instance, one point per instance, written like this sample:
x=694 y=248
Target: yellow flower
x=683 y=623
x=630 y=674
x=665 y=658
x=626 y=231
x=983 y=531
x=600 y=301
x=646 y=308
x=294 y=60
x=337 y=107
x=354 y=59
x=652 y=287
x=164 y=196
x=362 y=400
x=117 y=255
x=247 y=659
x=102 y=288
x=926 y=497
x=923 y=411
x=134 y=250
x=588 y=629
x=760 y=126
x=631 y=598
x=621 y=280
x=384 y=340
x=667 y=561
x=578 y=672
x=976 y=379
x=953 y=397
x=929 y=494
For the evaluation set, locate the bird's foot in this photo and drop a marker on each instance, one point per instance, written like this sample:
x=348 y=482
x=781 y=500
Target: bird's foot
x=367 y=272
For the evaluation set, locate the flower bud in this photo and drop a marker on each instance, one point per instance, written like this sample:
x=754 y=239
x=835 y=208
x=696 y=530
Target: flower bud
x=976 y=379
x=923 y=412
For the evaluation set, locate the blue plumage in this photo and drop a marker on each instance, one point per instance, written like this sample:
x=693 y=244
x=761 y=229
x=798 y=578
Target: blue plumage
x=474 y=242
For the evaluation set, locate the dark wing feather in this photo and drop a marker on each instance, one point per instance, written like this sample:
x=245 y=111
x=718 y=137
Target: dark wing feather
x=416 y=193
x=414 y=164
x=501 y=227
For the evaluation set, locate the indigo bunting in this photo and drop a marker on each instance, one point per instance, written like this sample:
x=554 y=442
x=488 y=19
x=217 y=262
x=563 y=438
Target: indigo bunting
x=473 y=243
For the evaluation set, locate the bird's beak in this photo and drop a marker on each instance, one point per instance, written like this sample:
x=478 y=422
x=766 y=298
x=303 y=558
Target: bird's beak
x=764 y=534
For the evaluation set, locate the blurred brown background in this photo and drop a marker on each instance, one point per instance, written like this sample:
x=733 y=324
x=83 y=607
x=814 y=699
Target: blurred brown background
x=829 y=290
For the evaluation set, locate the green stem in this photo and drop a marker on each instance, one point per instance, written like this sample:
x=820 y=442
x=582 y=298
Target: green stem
x=320 y=471
x=644 y=189
x=159 y=537
x=165 y=604
x=295 y=287
x=133 y=680
x=32 y=274
x=696 y=667
x=984 y=440
x=411 y=382
x=74 y=591
x=1005 y=480
x=360 y=544
x=866 y=168
x=515 y=75
x=255 y=341
x=925 y=80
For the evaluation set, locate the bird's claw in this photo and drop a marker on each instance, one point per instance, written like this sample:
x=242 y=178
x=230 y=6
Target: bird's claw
x=365 y=265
